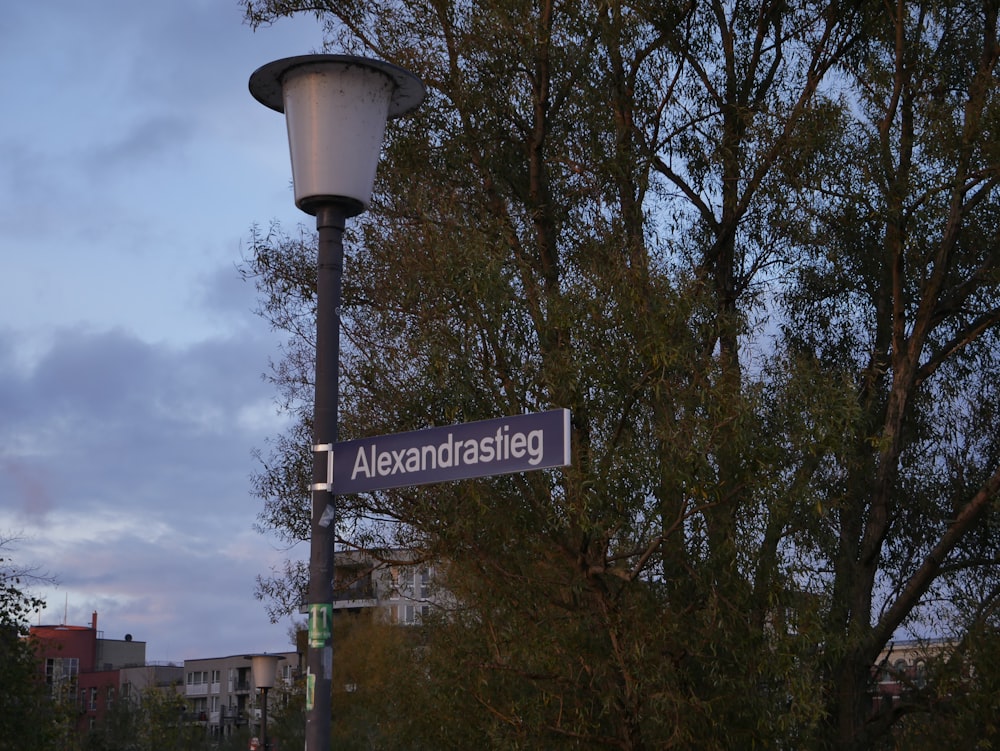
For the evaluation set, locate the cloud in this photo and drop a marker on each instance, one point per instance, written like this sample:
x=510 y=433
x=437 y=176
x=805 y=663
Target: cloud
x=186 y=598
x=153 y=135
x=103 y=420
x=130 y=362
x=30 y=494
x=127 y=464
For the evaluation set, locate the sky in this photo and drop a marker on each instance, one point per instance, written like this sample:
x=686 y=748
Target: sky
x=133 y=163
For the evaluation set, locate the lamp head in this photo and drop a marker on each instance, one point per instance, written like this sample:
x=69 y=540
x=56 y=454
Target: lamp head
x=336 y=108
x=264 y=668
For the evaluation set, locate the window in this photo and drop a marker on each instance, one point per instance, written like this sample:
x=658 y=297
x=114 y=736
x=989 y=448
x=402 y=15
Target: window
x=425 y=583
x=61 y=668
x=109 y=700
x=199 y=705
x=62 y=672
x=93 y=698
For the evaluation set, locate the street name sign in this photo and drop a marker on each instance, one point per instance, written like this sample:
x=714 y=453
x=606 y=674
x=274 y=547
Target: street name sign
x=454 y=452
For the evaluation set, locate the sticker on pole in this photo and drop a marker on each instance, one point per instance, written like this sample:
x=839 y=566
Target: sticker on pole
x=320 y=621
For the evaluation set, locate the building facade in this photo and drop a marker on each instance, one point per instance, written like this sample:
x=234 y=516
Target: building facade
x=403 y=589
x=79 y=665
x=219 y=692
x=902 y=669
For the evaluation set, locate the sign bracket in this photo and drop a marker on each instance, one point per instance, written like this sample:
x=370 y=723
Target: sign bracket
x=328 y=485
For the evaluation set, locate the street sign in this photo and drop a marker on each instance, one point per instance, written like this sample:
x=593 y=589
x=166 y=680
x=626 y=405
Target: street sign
x=454 y=452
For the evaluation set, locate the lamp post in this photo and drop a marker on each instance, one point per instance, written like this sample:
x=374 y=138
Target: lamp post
x=265 y=670
x=336 y=108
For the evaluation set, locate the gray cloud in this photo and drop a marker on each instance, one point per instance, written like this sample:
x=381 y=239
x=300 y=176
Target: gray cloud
x=29 y=493
x=130 y=389
x=129 y=462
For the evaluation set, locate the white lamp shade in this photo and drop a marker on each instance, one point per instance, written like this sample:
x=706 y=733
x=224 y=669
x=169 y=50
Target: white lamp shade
x=265 y=669
x=336 y=108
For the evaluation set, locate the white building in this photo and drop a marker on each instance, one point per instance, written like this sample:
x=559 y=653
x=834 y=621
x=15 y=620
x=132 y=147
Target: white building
x=220 y=693
x=402 y=588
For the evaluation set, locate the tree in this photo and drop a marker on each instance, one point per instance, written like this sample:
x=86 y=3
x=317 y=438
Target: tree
x=155 y=720
x=905 y=243
x=752 y=247
x=374 y=677
x=26 y=716
x=959 y=700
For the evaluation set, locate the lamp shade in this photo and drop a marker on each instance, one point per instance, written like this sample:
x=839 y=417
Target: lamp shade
x=336 y=108
x=264 y=668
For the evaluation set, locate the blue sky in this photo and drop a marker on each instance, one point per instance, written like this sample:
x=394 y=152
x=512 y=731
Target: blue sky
x=133 y=162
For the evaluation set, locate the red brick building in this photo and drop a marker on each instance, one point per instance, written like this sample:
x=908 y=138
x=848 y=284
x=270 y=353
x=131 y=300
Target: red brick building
x=80 y=665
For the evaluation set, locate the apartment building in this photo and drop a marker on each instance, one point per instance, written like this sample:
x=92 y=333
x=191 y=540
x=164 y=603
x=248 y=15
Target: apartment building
x=902 y=668
x=79 y=664
x=401 y=587
x=219 y=691
x=135 y=682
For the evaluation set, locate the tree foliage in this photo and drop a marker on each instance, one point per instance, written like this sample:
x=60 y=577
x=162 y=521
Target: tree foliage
x=753 y=248
x=26 y=717
x=155 y=720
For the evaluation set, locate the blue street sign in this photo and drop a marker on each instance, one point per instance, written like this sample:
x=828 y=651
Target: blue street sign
x=454 y=452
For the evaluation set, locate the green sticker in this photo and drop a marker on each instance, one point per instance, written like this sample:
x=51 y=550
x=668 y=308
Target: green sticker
x=320 y=618
x=310 y=692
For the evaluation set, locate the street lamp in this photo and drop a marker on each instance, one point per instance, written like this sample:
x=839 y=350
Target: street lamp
x=336 y=108
x=264 y=668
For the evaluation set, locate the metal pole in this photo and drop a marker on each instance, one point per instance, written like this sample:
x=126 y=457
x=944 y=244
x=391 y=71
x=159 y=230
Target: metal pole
x=263 y=721
x=330 y=219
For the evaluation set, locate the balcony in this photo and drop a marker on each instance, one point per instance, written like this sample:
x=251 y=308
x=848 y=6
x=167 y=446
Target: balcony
x=340 y=605
x=357 y=590
x=354 y=593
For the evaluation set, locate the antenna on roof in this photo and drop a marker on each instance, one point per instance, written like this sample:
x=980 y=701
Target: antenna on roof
x=66 y=610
